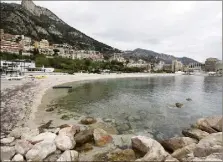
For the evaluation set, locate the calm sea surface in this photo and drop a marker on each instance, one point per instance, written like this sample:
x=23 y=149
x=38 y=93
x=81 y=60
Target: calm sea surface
x=145 y=105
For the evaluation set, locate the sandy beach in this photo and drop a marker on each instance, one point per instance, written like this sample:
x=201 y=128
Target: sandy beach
x=20 y=99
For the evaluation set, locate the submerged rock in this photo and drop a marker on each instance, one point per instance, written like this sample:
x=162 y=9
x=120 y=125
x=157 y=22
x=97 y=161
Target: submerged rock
x=69 y=155
x=122 y=155
x=50 y=109
x=179 y=105
x=189 y=99
x=195 y=133
x=101 y=137
x=65 y=117
x=88 y=120
x=175 y=143
x=105 y=126
x=122 y=141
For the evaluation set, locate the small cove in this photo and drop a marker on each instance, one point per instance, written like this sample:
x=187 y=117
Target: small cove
x=138 y=105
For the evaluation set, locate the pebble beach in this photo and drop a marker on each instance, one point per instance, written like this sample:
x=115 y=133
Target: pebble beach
x=90 y=138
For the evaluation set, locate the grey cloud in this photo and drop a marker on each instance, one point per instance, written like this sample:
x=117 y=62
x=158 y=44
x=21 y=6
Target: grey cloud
x=181 y=28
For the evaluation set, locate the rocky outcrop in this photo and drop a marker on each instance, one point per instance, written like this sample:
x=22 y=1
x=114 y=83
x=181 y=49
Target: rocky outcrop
x=40 y=151
x=195 y=133
x=208 y=145
x=23 y=146
x=73 y=143
x=182 y=152
x=64 y=142
x=153 y=149
x=175 y=143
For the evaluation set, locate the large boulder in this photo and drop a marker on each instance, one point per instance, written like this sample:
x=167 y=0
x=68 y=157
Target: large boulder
x=122 y=155
x=69 y=131
x=53 y=157
x=175 y=143
x=88 y=120
x=64 y=142
x=40 y=151
x=7 y=153
x=18 y=157
x=69 y=155
x=47 y=136
x=208 y=145
x=17 y=132
x=215 y=122
x=28 y=135
x=101 y=137
x=84 y=137
x=182 y=152
x=151 y=148
x=205 y=125
x=195 y=133
x=7 y=140
x=23 y=146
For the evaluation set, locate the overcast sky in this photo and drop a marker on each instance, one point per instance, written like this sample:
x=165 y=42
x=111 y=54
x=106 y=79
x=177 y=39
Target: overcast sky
x=192 y=29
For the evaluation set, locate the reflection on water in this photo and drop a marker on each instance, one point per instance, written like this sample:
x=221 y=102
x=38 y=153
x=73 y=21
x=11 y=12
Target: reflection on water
x=145 y=105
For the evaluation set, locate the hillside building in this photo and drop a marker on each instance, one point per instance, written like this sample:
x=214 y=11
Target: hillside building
x=177 y=66
x=210 y=64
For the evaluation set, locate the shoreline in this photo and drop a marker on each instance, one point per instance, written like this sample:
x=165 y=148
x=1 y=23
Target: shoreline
x=92 y=139
x=23 y=97
x=54 y=80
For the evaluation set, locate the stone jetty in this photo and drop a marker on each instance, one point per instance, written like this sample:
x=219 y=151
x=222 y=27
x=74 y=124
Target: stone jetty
x=75 y=142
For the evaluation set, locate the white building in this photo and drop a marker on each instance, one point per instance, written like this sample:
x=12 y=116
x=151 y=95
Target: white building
x=159 y=66
x=177 y=66
x=17 y=65
x=117 y=57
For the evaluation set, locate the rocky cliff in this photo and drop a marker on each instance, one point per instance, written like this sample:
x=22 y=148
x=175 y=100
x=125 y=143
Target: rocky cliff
x=148 y=55
x=40 y=23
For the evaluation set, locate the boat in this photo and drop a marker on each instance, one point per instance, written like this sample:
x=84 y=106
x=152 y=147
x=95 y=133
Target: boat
x=56 y=87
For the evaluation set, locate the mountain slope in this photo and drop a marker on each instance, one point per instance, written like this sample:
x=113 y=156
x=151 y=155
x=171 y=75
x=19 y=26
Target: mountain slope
x=148 y=55
x=40 y=23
